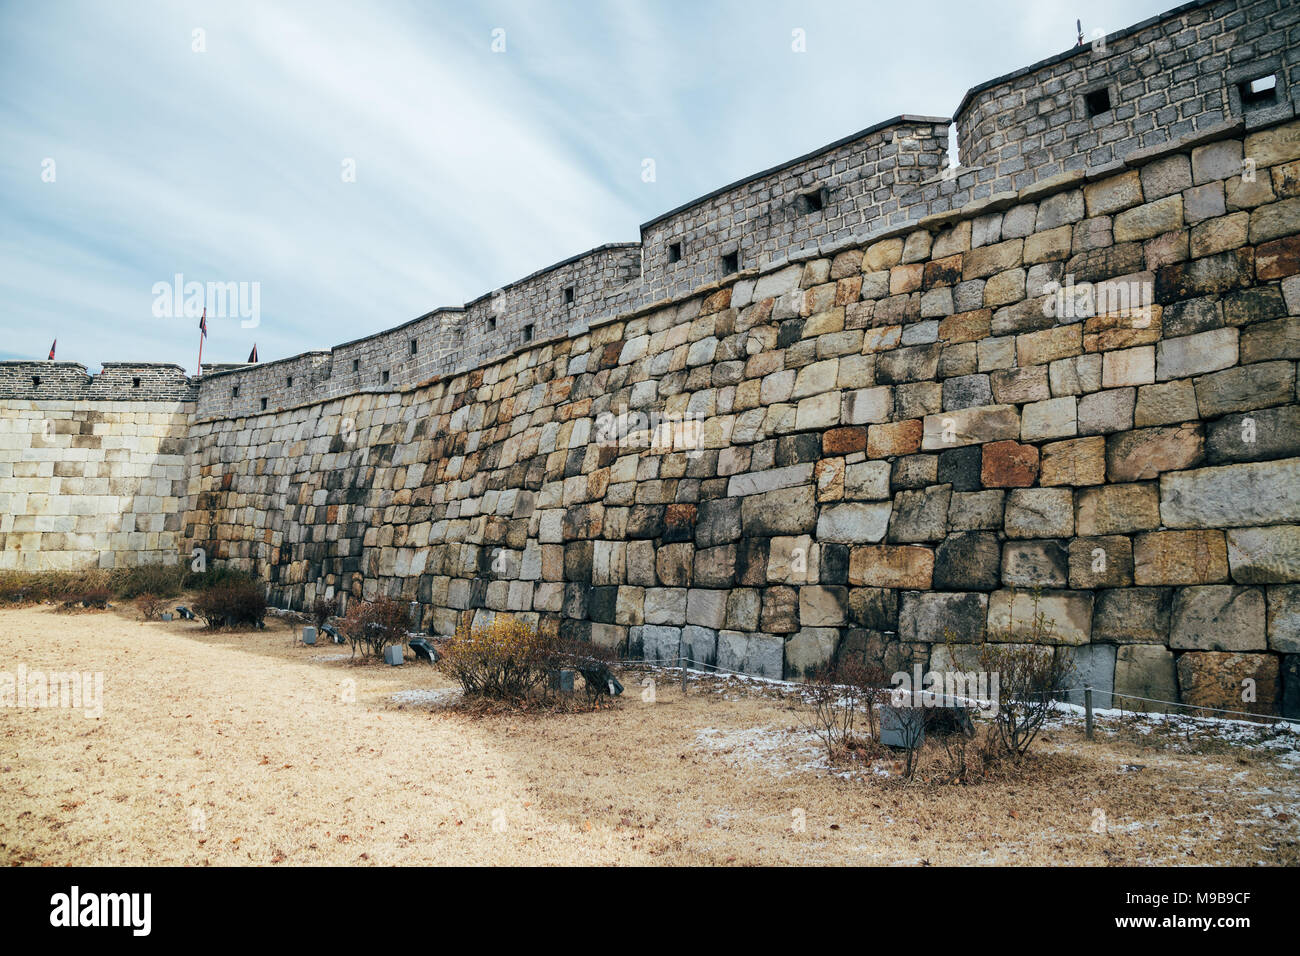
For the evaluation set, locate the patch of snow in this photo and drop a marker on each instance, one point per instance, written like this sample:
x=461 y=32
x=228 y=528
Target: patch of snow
x=435 y=696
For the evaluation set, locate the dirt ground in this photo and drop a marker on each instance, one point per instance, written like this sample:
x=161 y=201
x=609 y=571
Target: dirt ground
x=250 y=748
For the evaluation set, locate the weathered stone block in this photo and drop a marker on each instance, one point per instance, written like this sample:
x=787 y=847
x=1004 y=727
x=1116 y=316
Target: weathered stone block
x=895 y=438
x=1251 y=493
x=1039 y=513
x=1067 y=616
x=1264 y=555
x=761 y=655
x=1009 y=464
x=1054 y=418
x=1284 y=618
x=1218 y=618
x=785 y=511
x=1078 y=461
x=930 y=617
x=1132 y=615
x=821 y=606
x=780 y=614
x=1196 y=354
x=810 y=650
x=1102 y=562
x=1146 y=452
x=1117 y=509
x=920 y=515
x=1107 y=411
x=1218 y=680
x=967 y=561
x=1180 y=557
x=1144 y=671
x=1245 y=388
x=970 y=426
x=1094 y=666
x=1165 y=404
x=1035 y=564
x=890 y=566
x=854 y=522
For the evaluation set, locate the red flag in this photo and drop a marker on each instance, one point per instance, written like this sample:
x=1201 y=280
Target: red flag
x=54 y=343
x=252 y=356
x=203 y=323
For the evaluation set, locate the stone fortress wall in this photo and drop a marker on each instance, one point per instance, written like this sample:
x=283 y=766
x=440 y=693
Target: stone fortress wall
x=903 y=427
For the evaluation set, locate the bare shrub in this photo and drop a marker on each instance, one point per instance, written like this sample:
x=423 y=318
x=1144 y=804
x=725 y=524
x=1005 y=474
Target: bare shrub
x=371 y=626
x=1030 y=677
x=322 y=610
x=232 y=605
x=838 y=698
x=150 y=606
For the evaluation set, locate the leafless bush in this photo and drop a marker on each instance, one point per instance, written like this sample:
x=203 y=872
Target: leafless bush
x=1030 y=678
x=150 y=606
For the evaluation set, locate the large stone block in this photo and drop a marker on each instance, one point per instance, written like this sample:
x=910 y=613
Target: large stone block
x=1144 y=671
x=1035 y=564
x=1197 y=354
x=1284 y=618
x=1245 y=388
x=1077 y=461
x=1102 y=562
x=1039 y=513
x=890 y=566
x=967 y=561
x=1009 y=464
x=1132 y=615
x=1094 y=666
x=970 y=426
x=810 y=650
x=1218 y=618
x=1265 y=555
x=930 y=617
x=1146 y=452
x=920 y=515
x=1251 y=493
x=854 y=522
x=1240 y=682
x=760 y=655
x=786 y=511
x=823 y=606
x=1067 y=617
x=1180 y=557
x=1117 y=509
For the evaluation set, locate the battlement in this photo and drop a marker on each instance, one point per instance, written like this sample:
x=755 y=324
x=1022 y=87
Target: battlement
x=1167 y=78
x=116 y=382
x=1203 y=69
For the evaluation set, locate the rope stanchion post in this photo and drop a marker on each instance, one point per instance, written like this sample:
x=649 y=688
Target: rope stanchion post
x=683 y=662
x=1087 y=712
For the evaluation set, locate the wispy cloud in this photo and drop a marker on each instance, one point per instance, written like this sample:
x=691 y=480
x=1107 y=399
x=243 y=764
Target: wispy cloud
x=473 y=168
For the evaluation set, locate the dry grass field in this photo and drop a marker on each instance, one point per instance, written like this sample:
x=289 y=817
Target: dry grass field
x=249 y=748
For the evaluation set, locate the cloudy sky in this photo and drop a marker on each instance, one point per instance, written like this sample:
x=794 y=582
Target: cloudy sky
x=365 y=163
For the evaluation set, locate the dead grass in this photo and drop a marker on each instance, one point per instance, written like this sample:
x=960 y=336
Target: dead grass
x=238 y=748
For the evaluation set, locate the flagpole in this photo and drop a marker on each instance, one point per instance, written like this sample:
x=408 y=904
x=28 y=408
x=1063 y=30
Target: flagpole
x=202 y=335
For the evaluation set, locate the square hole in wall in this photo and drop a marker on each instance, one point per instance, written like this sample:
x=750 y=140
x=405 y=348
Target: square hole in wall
x=1097 y=102
x=674 y=252
x=264 y=404
x=36 y=381
x=135 y=383
x=1260 y=91
x=415 y=346
x=812 y=202
x=528 y=332
x=234 y=391
x=730 y=263
x=288 y=381
x=568 y=295
x=356 y=365
x=492 y=323
x=383 y=378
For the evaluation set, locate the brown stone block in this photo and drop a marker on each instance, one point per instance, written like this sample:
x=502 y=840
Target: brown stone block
x=891 y=566
x=894 y=438
x=1009 y=464
x=1180 y=557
